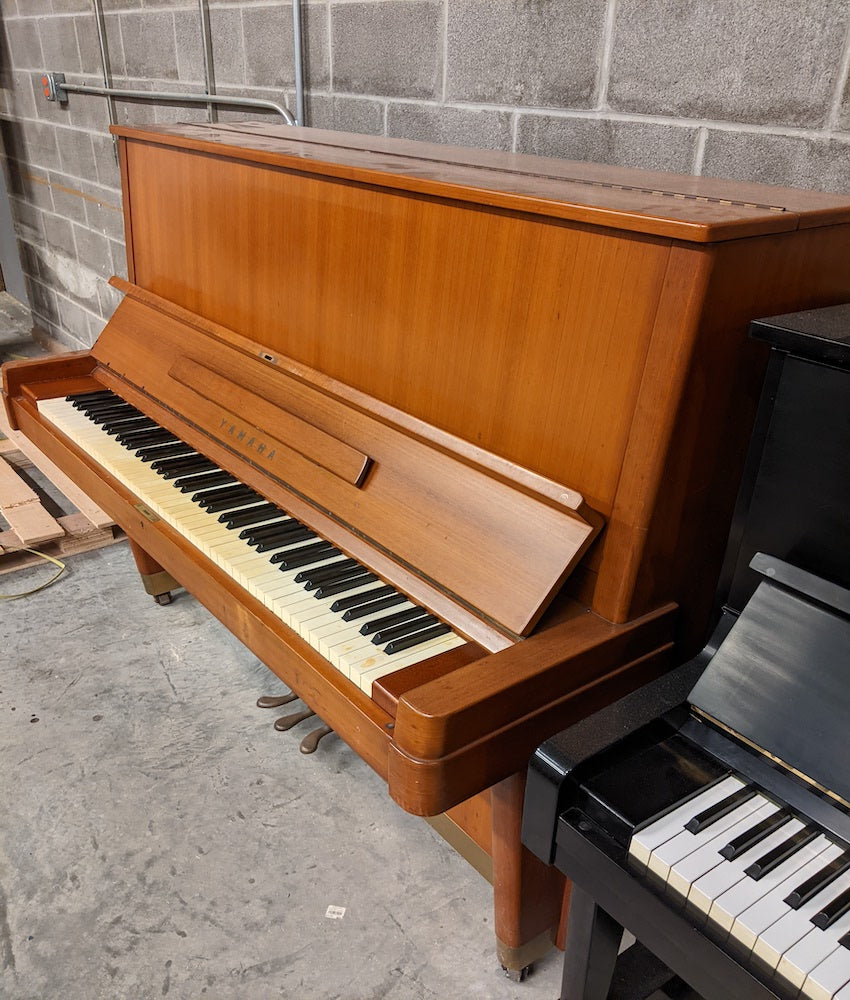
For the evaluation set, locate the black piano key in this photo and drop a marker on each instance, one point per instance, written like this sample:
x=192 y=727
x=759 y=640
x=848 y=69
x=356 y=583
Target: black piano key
x=354 y=599
x=311 y=578
x=229 y=503
x=820 y=880
x=835 y=908
x=236 y=492
x=134 y=423
x=139 y=438
x=304 y=556
x=397 y=645
x=749 y=838
x=341 y=586
x=159 y=451
x=767 y=862
x=844 y=941
x=271 y=531
x=718 y=811
x=255 y=515
x=369 y=607
x=112 y=412
x=170 y=468
x=200 y=467
x=348 y=579
x=270 y=544
x=388 y=621
x=80 y=397
x=400 y=631
x=188 y=484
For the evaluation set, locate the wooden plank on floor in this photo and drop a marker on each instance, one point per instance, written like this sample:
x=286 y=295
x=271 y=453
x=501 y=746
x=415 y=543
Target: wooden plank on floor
x=21 y=507
x=79 y=536
x=84 y=504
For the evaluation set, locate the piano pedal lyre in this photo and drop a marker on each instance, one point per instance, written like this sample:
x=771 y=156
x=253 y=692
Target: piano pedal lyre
x=311 y=741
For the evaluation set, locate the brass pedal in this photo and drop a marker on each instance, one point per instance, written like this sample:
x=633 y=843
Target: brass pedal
x=311 y=741
x=286 y=722
x=275 y=701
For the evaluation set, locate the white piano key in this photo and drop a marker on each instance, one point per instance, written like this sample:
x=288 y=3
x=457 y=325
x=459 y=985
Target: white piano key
x=366 y=676
x=782 y=935
x=706 y=890
x=751 y=923
x=827 y=978
x=645 y=841
x=683 y=859
x=809 y=951
x=729 y=905
x=844 y=992
x=276 y=588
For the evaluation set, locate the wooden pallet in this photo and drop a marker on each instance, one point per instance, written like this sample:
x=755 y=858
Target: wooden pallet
x=30 y=525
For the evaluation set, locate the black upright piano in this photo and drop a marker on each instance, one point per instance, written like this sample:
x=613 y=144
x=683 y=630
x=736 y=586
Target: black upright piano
x=709 y=812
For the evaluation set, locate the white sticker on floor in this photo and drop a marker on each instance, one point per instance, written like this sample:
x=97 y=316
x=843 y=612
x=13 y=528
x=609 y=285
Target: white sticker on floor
x=335 y=912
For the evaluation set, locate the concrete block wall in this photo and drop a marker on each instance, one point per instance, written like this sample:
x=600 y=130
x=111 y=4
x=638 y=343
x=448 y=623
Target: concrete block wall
x=746 y=89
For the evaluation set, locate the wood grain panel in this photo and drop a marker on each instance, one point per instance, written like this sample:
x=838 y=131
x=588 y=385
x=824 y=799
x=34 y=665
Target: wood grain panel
x=458 y=313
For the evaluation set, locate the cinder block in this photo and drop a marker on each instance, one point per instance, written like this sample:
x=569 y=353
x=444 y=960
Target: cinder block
x=75 y=152
x=532 y=52
x=748 y=61
x=631 y=144
x=59 y=44
x=88 y=44
x=149 y=45
x=820 y=164
x=25 y=44
x=67 y=199
x=115 y=44
x=109 y=298
x=71 y=6
x=347 y=114
x=105 y=163
x=105 y=218
x=40 y=146
x=228 y=47
x=269 y=60
x=190 y=52
x=390 y=49
x=59 y=234
x=451 y=126
x=93 y=250
x=119 y=258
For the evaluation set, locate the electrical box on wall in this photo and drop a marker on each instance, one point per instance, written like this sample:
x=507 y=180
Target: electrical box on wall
x=53 y=85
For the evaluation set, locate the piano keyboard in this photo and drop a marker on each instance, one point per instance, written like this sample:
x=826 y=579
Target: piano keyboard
x=357 y=622
x=772 y=888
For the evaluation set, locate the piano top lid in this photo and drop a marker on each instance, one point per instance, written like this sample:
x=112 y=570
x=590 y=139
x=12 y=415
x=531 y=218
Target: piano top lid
x=781 y=678
x=698 y=209
x=816 y=334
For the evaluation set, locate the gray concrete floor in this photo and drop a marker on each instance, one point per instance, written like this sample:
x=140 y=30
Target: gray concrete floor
x=158 y=837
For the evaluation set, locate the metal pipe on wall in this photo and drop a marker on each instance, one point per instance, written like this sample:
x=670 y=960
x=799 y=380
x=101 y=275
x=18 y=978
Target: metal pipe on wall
x=166 y=96
x=104 y=57
x=209 y=70
x=298 y=61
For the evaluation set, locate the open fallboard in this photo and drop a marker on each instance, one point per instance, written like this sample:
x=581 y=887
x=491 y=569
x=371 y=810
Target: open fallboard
x=471 y=524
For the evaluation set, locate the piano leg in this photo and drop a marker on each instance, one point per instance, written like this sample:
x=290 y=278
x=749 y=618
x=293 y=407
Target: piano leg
x=593 y=940
x=527 y=894
x=156 y=581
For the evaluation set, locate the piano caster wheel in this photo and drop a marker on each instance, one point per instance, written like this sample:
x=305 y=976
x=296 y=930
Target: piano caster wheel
x=311 y=740
x=163 y=598
x=517 y=975
x=286 y=722
x=275 y=701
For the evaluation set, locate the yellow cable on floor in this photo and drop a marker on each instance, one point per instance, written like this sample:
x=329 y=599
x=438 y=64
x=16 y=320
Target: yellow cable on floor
x=35 y=590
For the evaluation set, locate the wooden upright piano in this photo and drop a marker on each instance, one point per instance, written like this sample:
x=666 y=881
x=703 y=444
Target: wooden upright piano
x=505 y=398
